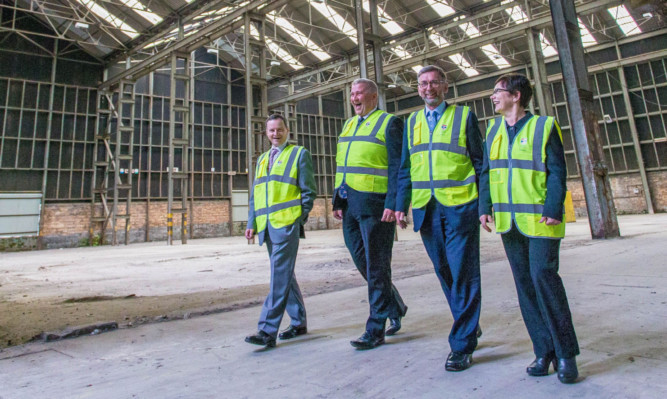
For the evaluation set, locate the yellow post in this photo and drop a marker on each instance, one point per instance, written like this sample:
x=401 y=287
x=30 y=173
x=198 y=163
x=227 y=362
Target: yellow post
x=569 y=208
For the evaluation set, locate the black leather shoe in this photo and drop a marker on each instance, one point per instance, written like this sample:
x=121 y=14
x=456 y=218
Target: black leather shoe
x=394 y=326
x=567 y=370
x=367 y=341
x=293 y=332
x=458 y=361
x=479 y=331
x=261 y=338
x=540 y=366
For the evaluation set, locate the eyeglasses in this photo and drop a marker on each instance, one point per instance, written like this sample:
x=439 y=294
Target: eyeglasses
x=433 y=83
x=496 y=91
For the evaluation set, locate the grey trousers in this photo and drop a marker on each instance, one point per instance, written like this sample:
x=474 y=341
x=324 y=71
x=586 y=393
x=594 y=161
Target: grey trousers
x=284 y=293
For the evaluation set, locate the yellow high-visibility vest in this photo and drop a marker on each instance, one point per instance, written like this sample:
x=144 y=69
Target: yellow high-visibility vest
x=518 y=180
x=361 y=158
x=439 y=162
x=276 y=193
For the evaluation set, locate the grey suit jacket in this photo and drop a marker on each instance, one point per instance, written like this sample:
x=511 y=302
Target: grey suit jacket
x=306 y=182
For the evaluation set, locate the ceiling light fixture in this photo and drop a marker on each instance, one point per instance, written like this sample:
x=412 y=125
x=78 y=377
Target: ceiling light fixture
x=212 y=50
x=391 y=86
x=81 y=25
x=275 y=63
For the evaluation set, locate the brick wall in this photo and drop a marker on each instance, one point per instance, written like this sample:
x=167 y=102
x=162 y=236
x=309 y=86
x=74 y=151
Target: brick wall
x=67 y=224
x=628 y=193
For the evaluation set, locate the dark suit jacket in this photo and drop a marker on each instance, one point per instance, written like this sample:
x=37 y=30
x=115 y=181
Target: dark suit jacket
x=556 y=174
x=363 y=203
x=475 y=149
x=306 y=182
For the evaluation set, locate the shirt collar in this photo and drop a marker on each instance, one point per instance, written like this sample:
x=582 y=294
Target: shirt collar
x=519 y=124
x=440 y=109
x=280 y=147
x=366 y=116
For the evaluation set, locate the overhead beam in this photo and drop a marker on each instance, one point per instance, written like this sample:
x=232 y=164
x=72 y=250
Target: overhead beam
x=514 y=31
x=220 y=27
x=185 y=15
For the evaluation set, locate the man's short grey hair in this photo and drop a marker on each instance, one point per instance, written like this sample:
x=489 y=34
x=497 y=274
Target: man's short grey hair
x=371 y=87
x=430 y=68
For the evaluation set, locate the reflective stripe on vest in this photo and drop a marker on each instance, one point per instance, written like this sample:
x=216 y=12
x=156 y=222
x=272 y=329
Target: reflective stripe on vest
x=276 y=193
x=361 y=157
x=439 y=163
x=518 y=178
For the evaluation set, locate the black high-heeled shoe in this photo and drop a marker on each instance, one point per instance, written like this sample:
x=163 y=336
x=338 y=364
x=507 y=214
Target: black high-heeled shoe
x=567 y=370
x=540 y=366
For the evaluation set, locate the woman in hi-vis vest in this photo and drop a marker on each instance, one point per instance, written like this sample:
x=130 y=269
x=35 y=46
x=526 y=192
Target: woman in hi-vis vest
x=524 y=181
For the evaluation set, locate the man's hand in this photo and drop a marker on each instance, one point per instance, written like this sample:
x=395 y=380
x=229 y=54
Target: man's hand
x=338 y=214
x=401 y=219
x=484 y=219
x=388 y=216
x=249 y=233
x=549 y=221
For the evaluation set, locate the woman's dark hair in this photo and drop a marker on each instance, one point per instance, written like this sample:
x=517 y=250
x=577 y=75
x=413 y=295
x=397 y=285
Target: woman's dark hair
x=515 y=82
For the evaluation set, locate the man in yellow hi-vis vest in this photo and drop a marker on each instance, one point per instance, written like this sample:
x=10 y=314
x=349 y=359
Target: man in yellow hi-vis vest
x=442 y=157
x=282 y=195
x=367 y=159
x=524 y=180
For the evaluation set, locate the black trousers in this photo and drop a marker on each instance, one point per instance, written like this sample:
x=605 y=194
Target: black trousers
x=541 y=293
x=370 y=242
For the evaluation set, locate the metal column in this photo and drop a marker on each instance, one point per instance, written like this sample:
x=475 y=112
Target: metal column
x=599 y=200
x=45 y=176
x=635 y=135
x=123 y=155
x=377 y=42
x=361 y=40
x=256 y=108
x=112 y=162
x=542 y=88
x=179 y=145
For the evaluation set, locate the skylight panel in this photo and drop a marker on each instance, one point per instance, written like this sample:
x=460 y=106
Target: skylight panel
x=297 y=35
x=586 y=38
x=142 y=10
x=464 y=65
x=336 y=19
x=547 y=49
x=417 y=68
x=492 y=52
x=277 y=50
x=112 y=19
x=624 y=20
x=401 y=52
x=458 y=59
x=385 y=20
x=516 y=13
x=470 y=29
x=441 y=7
x=438 y=39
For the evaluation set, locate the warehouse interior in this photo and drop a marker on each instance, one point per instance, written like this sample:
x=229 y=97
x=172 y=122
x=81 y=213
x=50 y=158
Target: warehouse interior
x=116 y=114
x=129 y=131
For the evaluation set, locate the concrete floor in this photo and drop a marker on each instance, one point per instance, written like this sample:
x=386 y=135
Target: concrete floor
x=617 y=291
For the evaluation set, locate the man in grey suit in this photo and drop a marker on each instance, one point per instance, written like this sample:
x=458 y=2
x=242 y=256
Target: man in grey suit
x=282 y=195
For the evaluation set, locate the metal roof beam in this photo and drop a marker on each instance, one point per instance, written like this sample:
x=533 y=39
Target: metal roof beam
x=204 y=35
x=185 y=15
x=468 y=43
